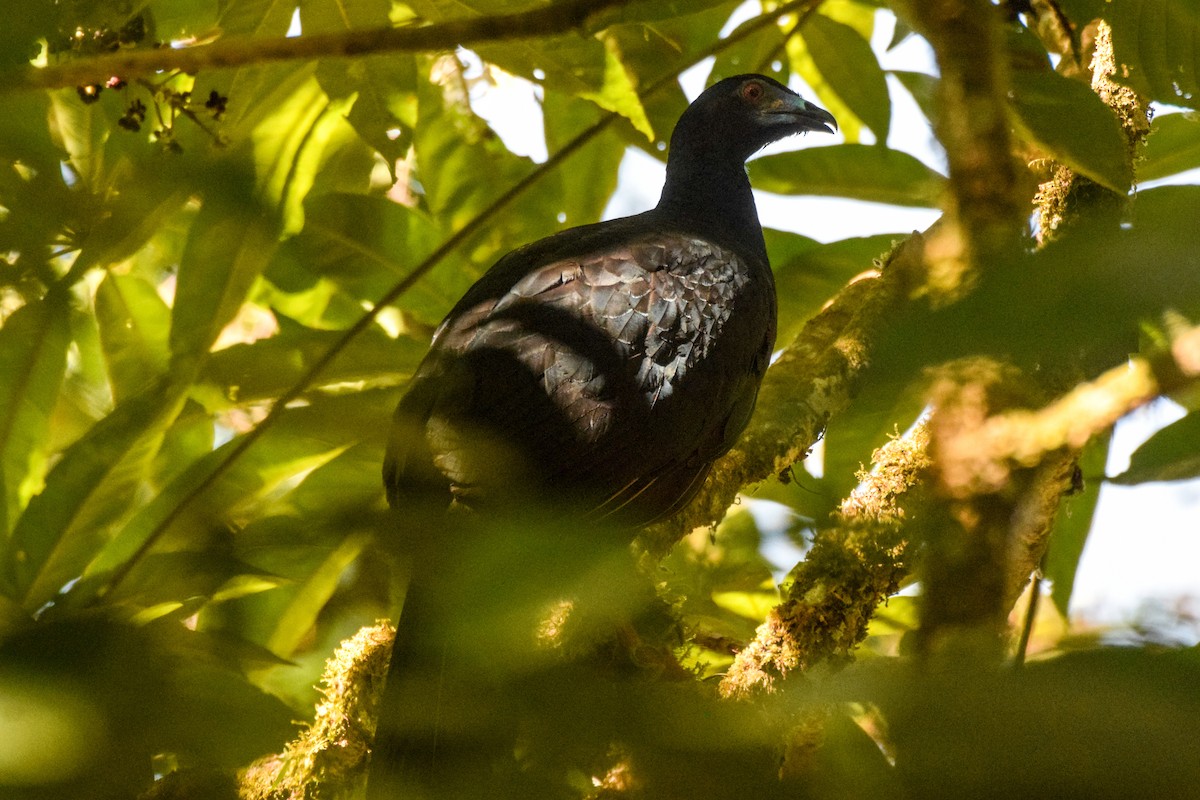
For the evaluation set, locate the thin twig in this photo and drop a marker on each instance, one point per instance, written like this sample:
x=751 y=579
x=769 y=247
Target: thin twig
x=1035 y=594
x=246 y=50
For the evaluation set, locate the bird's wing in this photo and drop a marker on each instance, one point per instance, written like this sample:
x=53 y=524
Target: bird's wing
x=595 y=366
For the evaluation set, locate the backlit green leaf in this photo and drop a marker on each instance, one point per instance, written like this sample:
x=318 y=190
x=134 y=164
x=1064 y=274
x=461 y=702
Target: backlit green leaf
x=1172 y=454
x=861 y=172
x=1158 y=42
x=846 y=60
x=1091 y=143
x=1173 y=146
x=33 y=358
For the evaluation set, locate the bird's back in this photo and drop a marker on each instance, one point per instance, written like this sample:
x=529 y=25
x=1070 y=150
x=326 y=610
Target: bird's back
x=603 y=368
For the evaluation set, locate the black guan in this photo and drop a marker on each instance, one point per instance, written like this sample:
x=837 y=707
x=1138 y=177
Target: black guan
x=598 y=372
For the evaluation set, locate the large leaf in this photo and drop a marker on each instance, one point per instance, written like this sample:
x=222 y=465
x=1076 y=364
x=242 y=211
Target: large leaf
x=845 y=59
x=296 y=622
x=1172 y=454
x=618 y=93
x=1073 y=124
x=261 y=370
x=1158 y=44
x=858 y=171
x=230 y=243
x=923 y=89
x=89 y=489
x=1173 y=146
x=594 y=166
x=366 y=244
x=254 y=485
x=33 y=360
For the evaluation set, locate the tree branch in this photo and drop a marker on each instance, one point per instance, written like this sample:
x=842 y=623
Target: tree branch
x=814 y=379
x=855 y=564
x=242 y=51
x=984 y=208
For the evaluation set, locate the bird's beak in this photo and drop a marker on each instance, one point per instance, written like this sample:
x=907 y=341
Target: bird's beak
x=805 y=116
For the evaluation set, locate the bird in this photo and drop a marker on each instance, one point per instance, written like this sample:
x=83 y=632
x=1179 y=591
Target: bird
x=596 y=374
x=603 y=369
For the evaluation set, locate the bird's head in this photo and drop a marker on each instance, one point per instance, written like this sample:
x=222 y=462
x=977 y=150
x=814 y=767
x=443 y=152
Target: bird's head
x=738 y=116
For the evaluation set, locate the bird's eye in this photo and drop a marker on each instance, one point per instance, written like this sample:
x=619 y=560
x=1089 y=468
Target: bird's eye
x=753 y=91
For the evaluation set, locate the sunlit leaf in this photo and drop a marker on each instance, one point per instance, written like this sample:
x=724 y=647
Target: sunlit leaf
x=310 y=598
x=228 y=246
x=33 y=358
x=81 y=130
x=618 y=92
x=87 y=490
x=1173 y=146
x=260 y=370
x=845 y=59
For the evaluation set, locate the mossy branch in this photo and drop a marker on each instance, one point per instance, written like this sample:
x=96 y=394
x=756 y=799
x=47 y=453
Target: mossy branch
x=855 y=564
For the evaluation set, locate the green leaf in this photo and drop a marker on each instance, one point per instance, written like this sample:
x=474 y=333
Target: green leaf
x=366 y=244
x=265 y=369
x=618 y=93
x=1173 y=146
x=383 y=86
x=228 y=246
x=755 y=53
x=1073 y=523
x=845 y=59
x=594 y=166
x=1158 y=43
x=81 y=130
x=21 y=32
x=267 y=18
x=1068 y=120
x=862 y=172
x=89 y=489
x=808 y=273
x=307 y=602
x=133 y=323
x=33 y=359
x=180 y=19
x=565 y=63
x=923 y=89
x=303 y=439
x=1172 y=454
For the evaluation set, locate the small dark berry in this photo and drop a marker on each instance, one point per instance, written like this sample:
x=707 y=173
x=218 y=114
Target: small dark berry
x=90 y=92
